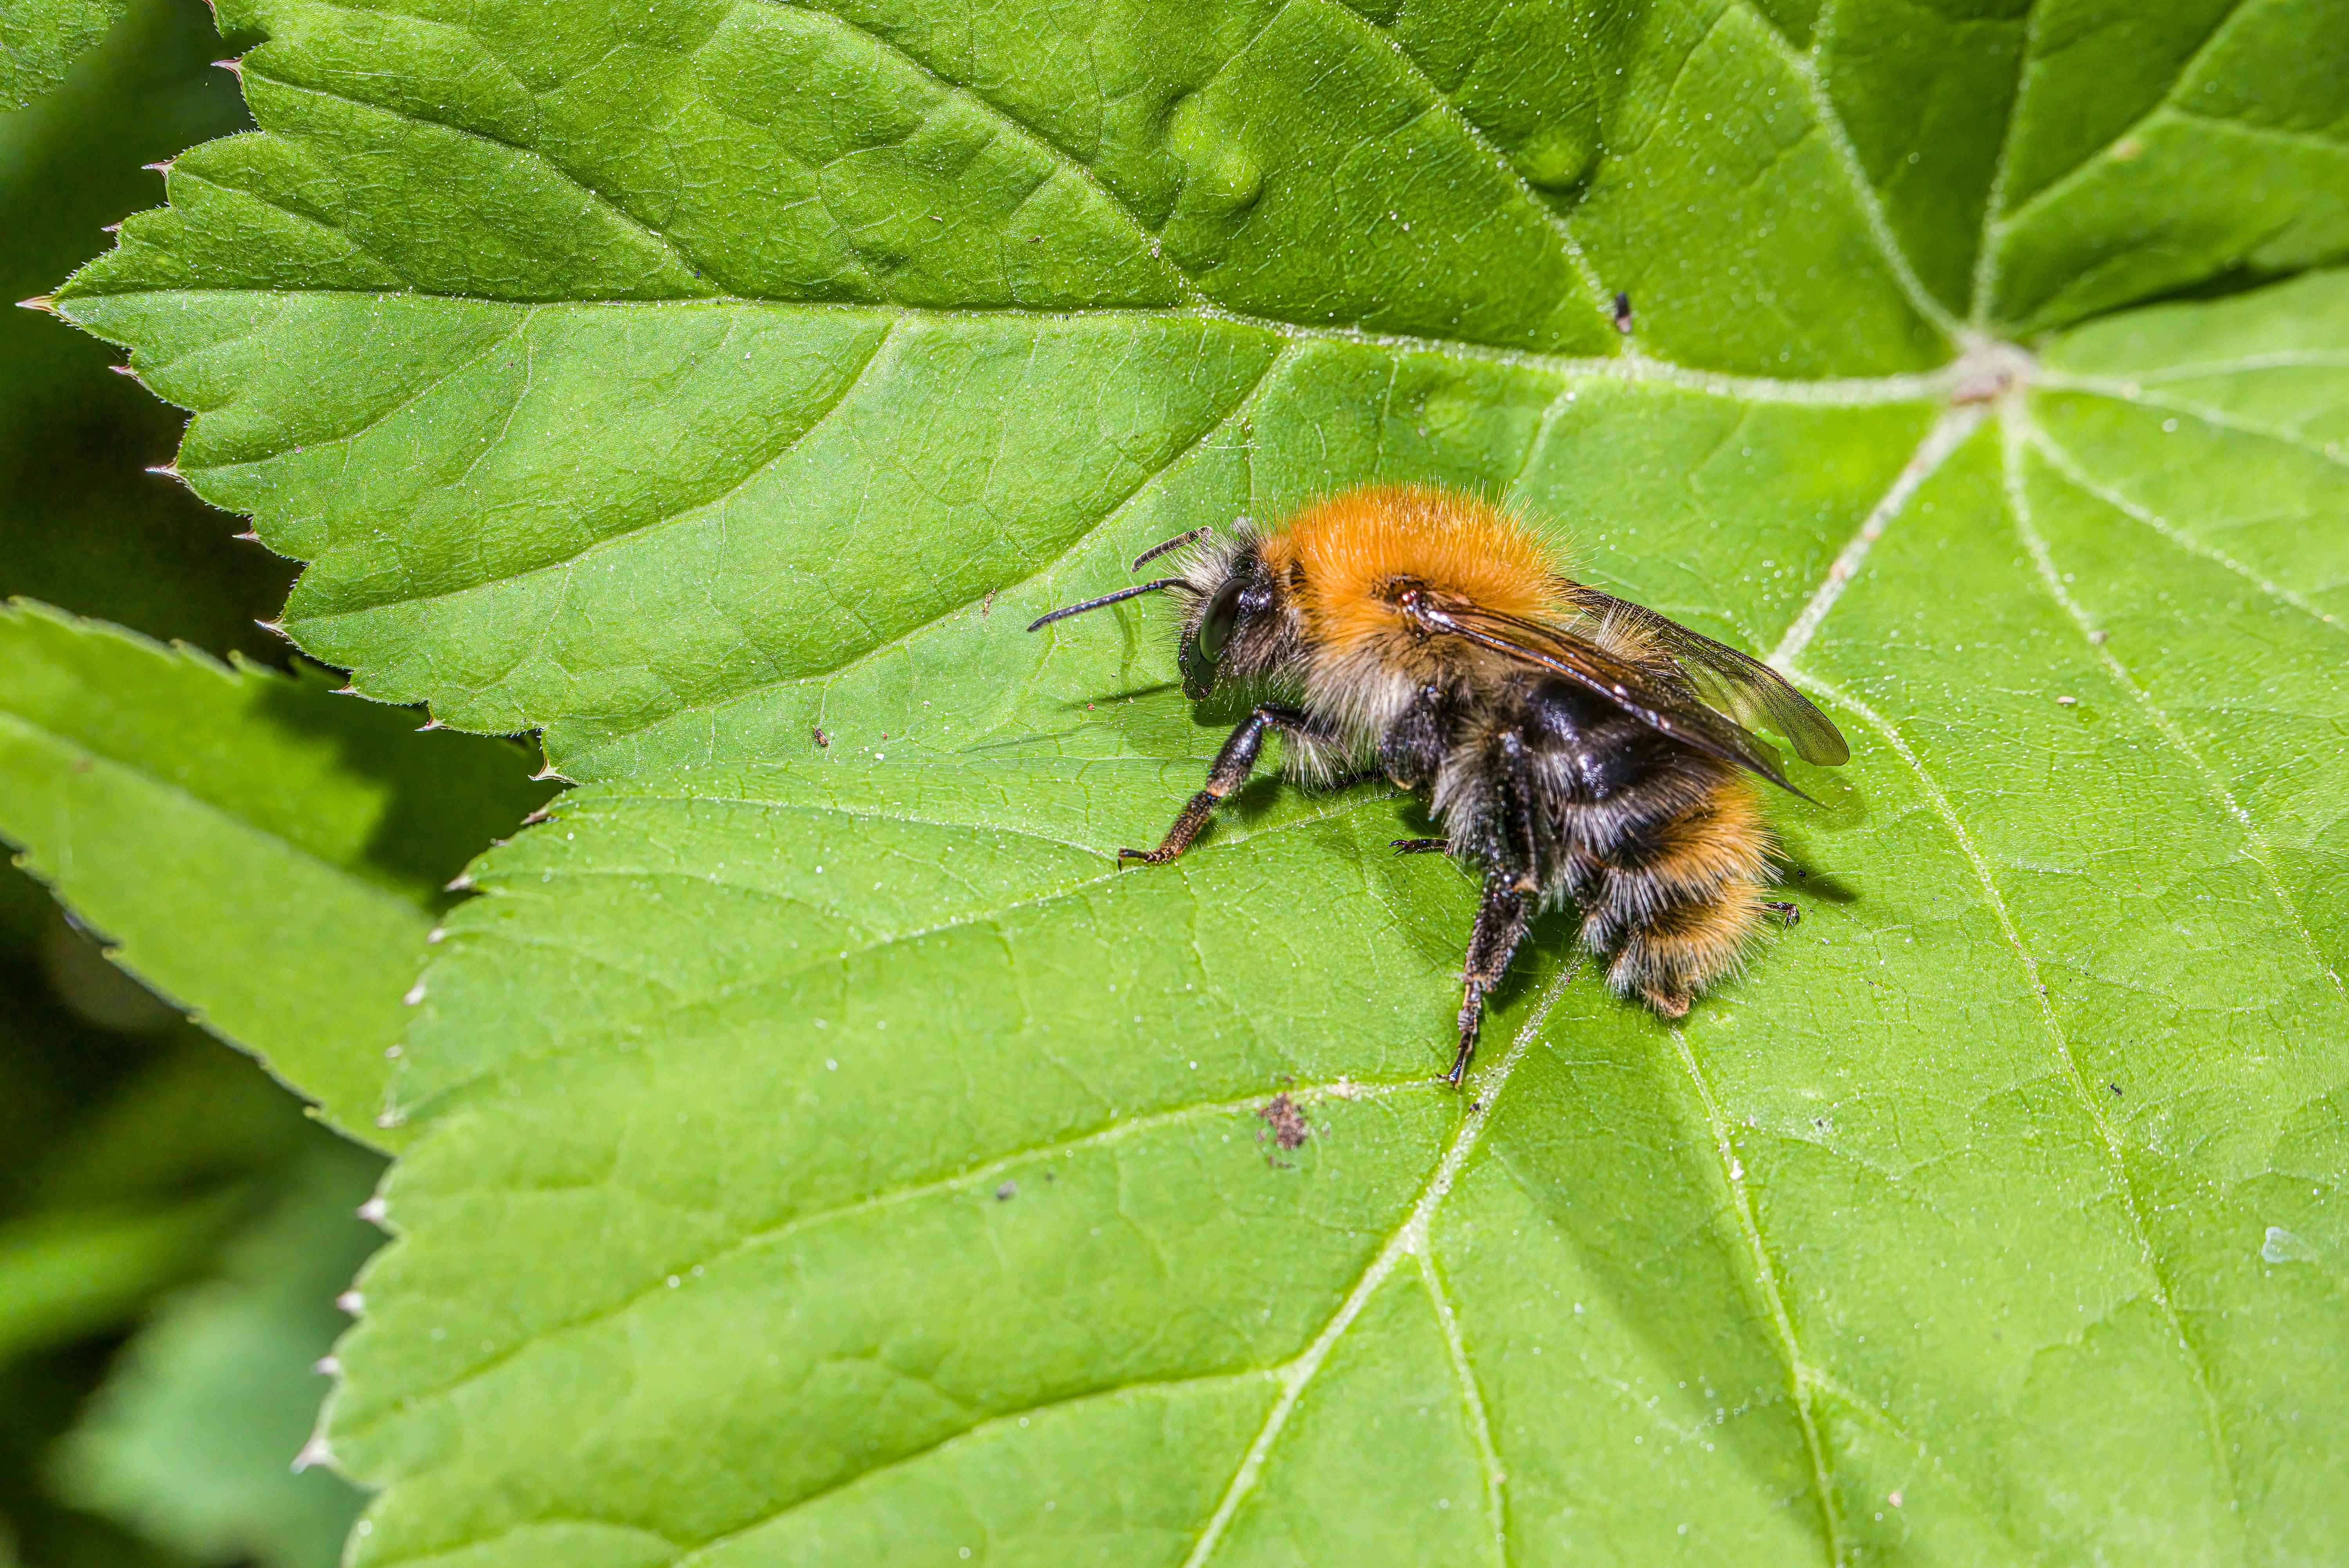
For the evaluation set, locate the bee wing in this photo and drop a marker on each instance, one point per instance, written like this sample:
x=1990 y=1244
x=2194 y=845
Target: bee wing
x=1744 y=688
x=1587 y=665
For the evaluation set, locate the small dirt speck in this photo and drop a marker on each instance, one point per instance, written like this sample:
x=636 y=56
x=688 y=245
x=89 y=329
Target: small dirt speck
x=1007 y=1193
x=1287 y=1122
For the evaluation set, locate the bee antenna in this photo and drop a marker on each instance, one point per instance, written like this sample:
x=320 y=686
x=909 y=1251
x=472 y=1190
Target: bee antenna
x=1176 y=543
x=1064 y=613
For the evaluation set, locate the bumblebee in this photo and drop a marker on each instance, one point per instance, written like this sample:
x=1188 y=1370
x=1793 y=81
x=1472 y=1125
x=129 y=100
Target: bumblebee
x=1573 y=747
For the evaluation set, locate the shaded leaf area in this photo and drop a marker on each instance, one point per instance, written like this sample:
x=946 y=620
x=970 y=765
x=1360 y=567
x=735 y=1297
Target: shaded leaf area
x=267 y=856
x=138 y=1149
x=191 y=1441
x=2178 y=144
x=40 y=40
x=80 y=524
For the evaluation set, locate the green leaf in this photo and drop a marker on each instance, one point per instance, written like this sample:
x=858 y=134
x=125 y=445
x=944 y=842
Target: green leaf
x=828 y=1154
x=267 y=856
x=140 y=1131
x=40 y=40
x=192 y=1443
x=64 y=1274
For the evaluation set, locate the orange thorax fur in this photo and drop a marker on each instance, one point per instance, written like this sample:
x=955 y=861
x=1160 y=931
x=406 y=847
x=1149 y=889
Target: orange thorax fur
x=1342 y=554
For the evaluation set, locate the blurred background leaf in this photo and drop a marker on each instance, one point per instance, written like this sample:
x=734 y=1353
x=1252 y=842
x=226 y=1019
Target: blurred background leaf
x=188 y=1443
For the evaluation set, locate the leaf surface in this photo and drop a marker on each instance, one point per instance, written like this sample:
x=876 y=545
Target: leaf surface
x=829 y=1156
x=40 y=40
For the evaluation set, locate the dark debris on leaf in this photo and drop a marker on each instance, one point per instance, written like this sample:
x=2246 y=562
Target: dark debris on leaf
x=1287 y=1122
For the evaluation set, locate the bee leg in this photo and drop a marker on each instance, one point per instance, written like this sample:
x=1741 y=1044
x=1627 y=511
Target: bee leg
x=1420 y=846
x=1501 y=923
x=1229 y=771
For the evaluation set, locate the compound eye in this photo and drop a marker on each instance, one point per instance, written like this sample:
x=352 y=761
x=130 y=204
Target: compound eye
x=1215 y=626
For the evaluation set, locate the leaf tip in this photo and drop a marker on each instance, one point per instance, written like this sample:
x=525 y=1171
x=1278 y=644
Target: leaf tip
x=164 y=168
x=38 y=302
x=328 y=1367
x=233 y=64
x=428 y=725
x=436 y=934
x=122 y=370
x=375 y=1212
x=314 y=1452
x=547 y=773
x=415 y=996
x=459 y=883
x=350 y=1303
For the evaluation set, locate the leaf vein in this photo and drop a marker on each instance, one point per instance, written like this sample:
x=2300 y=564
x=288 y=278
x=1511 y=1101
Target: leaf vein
x=1409 y=1237
x=2079 y=169
x=2261 y=852
x=2074 y=473
x=2117 y=1164
x=596 y=197
x=1766 y=1273
x=1829 y=119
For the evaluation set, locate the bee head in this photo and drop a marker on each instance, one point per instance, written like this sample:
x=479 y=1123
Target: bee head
x=1236 y=612
x=1237 y=624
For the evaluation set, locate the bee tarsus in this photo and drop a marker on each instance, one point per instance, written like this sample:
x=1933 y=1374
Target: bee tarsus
x=1420 y=846
x=1788 y=914
x=1229 y=771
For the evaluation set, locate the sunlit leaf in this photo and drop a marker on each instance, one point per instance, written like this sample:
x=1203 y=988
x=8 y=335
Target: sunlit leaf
x=827 y=1154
